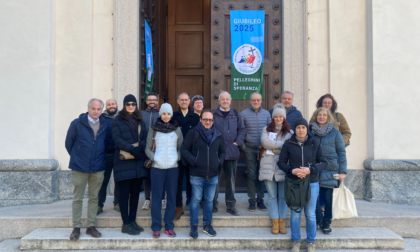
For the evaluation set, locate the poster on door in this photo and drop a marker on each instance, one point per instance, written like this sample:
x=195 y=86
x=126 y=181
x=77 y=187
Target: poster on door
x=149 y=58
x=247 y=47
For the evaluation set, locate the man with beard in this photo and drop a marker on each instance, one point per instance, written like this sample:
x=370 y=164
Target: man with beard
x=150 y=115
x=111 y=111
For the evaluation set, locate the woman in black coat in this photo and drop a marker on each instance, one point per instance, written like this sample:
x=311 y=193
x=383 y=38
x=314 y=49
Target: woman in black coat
x=302 y=156
x=129 y=173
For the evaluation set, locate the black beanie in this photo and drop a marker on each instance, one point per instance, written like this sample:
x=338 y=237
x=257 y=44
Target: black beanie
x=300 y=121
x=130 y=98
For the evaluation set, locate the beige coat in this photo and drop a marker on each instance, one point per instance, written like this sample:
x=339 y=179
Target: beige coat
x=343 y=126
x=268 y=165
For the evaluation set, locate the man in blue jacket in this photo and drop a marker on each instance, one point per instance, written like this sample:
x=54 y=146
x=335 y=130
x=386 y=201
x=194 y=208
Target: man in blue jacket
x=86 y=142
x=291 y=111
x=111 y=111
x=229 y=122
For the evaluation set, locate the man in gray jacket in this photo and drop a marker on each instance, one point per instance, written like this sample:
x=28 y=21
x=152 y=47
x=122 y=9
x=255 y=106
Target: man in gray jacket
x=229 y=122
x=255 y=118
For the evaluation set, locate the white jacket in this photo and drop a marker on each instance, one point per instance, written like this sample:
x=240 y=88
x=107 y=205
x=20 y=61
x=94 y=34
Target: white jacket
x=268 y=165
x=167 y=150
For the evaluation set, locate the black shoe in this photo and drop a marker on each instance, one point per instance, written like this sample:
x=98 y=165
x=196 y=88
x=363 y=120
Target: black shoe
x=129 y=229
x=261 y=205
x=233 y=211
x=319 y=225
x=215 y=209
x=208 y=229
x=194 y=232
x=326 y=229
x=137 y=227
x=251 y=207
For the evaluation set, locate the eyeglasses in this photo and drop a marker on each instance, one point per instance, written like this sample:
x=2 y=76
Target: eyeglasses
x=207 y=120
x=132 y=104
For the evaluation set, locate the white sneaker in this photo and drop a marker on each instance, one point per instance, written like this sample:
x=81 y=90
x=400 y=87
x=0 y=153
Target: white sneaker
x=146 y=205
x=295 y=246
x=164 y=204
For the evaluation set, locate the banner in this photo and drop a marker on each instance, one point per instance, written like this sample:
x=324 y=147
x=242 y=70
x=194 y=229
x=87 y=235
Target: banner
x=149 y=58
x=247 y=49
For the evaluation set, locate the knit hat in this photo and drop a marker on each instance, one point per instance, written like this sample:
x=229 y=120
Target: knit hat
x=279 y=109
x=197 y=97
x=166 y=107
x=300 y=121
x=130 y=98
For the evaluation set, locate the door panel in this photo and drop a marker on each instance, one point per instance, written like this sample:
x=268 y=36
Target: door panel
x=221 y=59
x=188 y=54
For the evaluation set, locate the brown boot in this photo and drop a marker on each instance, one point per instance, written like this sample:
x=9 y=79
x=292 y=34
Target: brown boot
x=75 y=234
x=93 y=232
x=178 y=212
x=282 y=226
x=275 y=226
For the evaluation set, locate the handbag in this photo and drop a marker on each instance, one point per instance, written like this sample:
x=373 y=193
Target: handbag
x=148 y=163
x=297 y=193
x=344 y=205
x=339 y=129
x=124 y=155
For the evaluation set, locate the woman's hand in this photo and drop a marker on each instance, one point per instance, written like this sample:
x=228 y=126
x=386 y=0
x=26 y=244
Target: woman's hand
x=299 y=173
x=342 y=176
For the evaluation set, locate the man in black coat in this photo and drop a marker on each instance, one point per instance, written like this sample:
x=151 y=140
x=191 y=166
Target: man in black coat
x=111 y=111
x=204 y=150
x=187 y=120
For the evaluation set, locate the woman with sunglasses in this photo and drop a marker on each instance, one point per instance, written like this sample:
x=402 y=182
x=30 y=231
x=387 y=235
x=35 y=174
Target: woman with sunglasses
x=128 y=128
x=163 y=149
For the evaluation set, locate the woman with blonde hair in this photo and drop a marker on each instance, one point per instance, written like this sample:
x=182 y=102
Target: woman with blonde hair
x=321 y=128
x=272 y=139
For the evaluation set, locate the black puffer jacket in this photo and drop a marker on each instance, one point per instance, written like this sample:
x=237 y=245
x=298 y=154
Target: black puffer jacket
x=204 y=160
x=310 y=154
x=124 y=136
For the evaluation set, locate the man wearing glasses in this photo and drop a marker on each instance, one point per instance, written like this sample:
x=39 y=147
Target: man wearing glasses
x=187 y=120
x=198 y=104
x=255 y=119
x=204 y=150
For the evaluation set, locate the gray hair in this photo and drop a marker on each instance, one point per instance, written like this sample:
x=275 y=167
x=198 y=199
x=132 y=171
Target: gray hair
x=288 y=92
x=225 y=92
x=255 y=93
x=95 y=99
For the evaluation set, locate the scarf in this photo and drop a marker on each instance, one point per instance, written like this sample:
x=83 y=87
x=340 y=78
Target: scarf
x=208 y=133
x=323 y=131
x=133 y=122
x=163 y=127
x=302 y=141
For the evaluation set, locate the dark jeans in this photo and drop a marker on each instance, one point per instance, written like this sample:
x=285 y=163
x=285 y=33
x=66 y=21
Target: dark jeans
x=109 y=165
x=327 y=217
x=229 y=166
x=254 y=185
x=198 y=185
x=183 y=169
x=129 y=199
x=163 y=179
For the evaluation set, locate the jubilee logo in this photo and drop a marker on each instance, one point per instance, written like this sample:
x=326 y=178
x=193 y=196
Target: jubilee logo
x=247 y=59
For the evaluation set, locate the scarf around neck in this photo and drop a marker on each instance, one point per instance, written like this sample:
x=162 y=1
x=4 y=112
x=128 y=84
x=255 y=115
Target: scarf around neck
x=323 y=131
x=163 y=127
x=208 y=133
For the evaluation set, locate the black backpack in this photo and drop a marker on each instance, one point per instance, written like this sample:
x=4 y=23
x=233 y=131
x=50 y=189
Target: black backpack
x=297 y=193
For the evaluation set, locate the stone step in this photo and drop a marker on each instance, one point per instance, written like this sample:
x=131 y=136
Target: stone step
x=227 y=238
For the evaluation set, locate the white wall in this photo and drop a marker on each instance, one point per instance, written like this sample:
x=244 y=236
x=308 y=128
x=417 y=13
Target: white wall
x=26 y=85
x=83 y=62
x=395 y=85
x=337 y=65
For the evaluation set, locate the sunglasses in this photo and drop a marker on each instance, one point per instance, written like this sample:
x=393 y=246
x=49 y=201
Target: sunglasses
x=132 y=104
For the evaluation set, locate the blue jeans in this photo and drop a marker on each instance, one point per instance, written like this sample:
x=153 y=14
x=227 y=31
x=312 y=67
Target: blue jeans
x=309 y=215
x=276 y=203
x=209 y=186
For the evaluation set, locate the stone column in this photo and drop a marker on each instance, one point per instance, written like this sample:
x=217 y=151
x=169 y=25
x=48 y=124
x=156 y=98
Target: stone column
x=126 y=49
x=295 y=47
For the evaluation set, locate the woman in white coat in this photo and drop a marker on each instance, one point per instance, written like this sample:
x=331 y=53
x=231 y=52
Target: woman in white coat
x=272 y=139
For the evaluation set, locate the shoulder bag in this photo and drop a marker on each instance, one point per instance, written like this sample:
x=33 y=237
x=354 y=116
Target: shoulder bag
x=148 y=163
x=297 y=193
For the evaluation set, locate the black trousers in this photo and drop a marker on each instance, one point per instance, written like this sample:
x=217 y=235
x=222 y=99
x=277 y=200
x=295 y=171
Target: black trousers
x=183 y=169
x=109 y=165
x=129 y=199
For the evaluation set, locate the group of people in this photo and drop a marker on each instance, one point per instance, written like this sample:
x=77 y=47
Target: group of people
x=201 y=143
